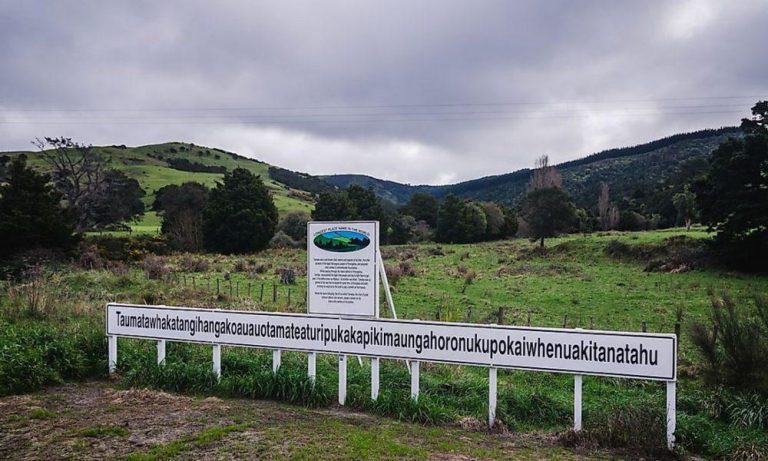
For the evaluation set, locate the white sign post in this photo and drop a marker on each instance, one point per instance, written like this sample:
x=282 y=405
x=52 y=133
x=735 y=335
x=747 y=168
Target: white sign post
x=342 y=268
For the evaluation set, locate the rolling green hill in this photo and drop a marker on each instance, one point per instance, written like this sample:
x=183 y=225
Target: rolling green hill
x=151 y=166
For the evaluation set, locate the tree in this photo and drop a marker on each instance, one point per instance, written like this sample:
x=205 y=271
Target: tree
x=510 y=221
x=333 y=206
x=403 y=229
x=472 y=223
x=448 y=216
x=181 y=208
x=733 y=195
x=78 y=173
x=685 y=204
x=495 y=221
x=240 y=215
x=31 y=214
x=544 y=175
x=294 y=224
x=367 y=205
x=547 y=212
x=118 y=200
x=423 y=207
x=607 y=212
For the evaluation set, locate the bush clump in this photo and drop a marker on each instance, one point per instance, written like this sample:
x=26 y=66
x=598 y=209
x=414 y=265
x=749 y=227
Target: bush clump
x=735 y=344
x=154 y=267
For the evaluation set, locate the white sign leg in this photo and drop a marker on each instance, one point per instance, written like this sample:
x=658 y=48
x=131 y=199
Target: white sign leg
x=415 y=380
x=276 y=359
x=312 y=366
x=161 y=352
x=217 y=360
x=671 y=413
x=112 y=344
x=374 y=378
x=492 y=394
x=577 y=403
x=342 y=379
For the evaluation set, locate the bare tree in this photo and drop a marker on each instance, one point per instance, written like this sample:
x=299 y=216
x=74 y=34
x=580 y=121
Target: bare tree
x=545 y=175
x=78 y=172
x=607 y=211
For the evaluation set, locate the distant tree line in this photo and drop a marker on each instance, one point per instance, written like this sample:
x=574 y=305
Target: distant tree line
x=301 y=181
x=183 y=164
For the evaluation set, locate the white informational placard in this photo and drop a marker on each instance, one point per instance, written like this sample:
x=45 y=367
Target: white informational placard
x=584 y=352
x=342 y=276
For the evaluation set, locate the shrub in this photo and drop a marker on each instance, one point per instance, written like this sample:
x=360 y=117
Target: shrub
x=735 y=346
x=154 y=267
x=128 y=249
x=637 y=427
x=287 y=276
x=191 y=263
x=282 y=240
x=394 y=272
x=241 y=265
x=91 y=259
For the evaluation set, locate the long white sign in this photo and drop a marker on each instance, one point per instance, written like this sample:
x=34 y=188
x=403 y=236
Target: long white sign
x=342 y=276
x=587 y=352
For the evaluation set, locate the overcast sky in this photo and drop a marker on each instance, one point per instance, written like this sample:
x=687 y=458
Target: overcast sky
x=414 y=91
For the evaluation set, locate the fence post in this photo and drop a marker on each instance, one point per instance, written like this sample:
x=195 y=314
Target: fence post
x=261 y=293
x=276 y=359
x=342 y=379
x=415 y=380
x=289 y=296
x=644 y=326
x=237 y=289
x=671 y=413
x=112 y=343
x=492 y=393
x=312 y=367
x=249 y=290
x=217 y=360
x=218 y=287
x=161 y=352
x=274 y=292
x=374 y=378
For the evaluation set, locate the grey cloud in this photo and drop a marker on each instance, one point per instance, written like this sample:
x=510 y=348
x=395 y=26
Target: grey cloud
x=585 y=76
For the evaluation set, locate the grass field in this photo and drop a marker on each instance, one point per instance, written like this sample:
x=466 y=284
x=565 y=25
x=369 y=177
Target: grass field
x=571 y=283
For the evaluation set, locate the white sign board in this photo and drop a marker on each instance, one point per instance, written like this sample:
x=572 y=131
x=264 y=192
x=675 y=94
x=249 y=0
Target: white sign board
x=602 y=353
x=342 y=276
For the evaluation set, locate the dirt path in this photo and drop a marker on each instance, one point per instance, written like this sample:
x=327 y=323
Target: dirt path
x=98 y=421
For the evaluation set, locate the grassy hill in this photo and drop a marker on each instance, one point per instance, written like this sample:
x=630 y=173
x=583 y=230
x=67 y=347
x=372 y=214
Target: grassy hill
x=626 y=170
x=151 y=165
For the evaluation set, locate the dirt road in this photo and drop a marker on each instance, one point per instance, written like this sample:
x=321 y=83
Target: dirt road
x=98 y=421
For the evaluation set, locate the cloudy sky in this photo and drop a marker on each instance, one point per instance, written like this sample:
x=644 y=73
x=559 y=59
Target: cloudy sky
x=415 y=91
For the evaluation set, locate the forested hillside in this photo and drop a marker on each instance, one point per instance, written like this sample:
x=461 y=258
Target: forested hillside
x=640 y=176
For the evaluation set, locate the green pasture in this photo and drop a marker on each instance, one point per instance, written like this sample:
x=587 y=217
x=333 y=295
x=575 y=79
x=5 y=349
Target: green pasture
x=572 y=282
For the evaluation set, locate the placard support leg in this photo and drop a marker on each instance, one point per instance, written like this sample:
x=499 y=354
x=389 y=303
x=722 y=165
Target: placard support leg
x=492 y=394
x=312 y=367
x=217 y=360
x=374 y=378
x=415 y=380
x=161 y=352
x=342 y=379
x=577 y=403
x=112 y=344
x=671 y=413
x=276 y=360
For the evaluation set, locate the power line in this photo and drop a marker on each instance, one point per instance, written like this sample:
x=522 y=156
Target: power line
x=395 y=106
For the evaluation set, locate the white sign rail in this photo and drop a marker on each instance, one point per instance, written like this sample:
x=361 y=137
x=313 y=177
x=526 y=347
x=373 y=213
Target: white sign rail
x=580 y=352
